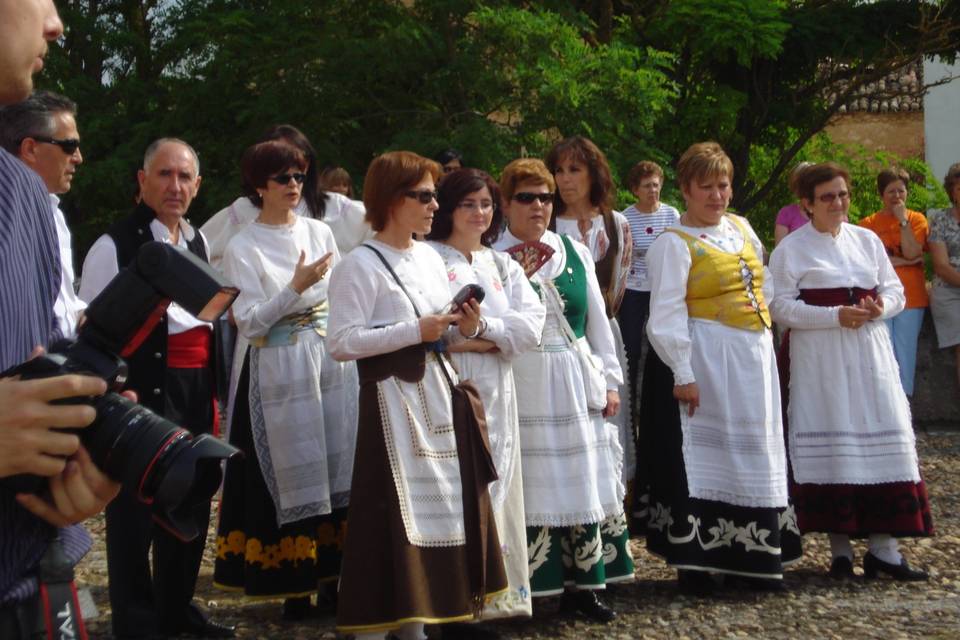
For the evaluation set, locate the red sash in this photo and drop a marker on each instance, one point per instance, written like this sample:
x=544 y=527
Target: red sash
x=190 y=349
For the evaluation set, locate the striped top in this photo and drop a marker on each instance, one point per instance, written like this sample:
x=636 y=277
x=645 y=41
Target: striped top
x=645 y=227
x=29 y=283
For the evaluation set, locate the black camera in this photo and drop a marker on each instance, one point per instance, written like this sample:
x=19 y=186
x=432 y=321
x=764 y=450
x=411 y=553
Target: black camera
x=158 y=461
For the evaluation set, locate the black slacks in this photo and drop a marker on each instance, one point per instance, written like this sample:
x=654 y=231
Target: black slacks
x=145 y=601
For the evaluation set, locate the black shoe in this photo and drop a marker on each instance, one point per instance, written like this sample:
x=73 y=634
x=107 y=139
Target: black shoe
x=296 y=609
x=695 y=583
x=468 y=631
x=586 y=603
x=751 y=583
x=196 y=624
x=872 y=565
x=841 y=568
x=327 y=598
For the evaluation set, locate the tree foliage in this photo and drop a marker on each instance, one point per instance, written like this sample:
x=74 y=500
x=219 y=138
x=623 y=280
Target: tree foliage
x=495 y=79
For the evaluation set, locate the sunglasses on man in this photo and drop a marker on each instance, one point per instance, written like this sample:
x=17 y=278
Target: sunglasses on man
x=68 y=145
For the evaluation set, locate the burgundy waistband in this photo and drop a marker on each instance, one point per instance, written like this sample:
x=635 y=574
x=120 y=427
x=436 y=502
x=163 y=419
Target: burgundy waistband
x=835 y=297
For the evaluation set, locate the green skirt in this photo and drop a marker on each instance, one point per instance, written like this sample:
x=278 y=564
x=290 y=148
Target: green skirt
x=583 y=556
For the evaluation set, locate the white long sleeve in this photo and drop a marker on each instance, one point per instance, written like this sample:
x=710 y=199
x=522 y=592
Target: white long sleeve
x=511 y=308
x=260 y=260
x=668 y=267
x=347 y=220
x=369 y=313
x=598 y=331
x=809 y=259
x=519 y=328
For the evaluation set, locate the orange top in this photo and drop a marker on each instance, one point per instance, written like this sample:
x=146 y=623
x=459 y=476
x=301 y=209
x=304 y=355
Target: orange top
x=912 y=276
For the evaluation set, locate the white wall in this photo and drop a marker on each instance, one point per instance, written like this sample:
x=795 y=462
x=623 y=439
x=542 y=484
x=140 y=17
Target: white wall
x=941 y=116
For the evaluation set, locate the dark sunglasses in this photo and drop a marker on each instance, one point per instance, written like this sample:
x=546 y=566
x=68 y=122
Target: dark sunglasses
x=424 y=196
x=284 y=178
x=525 y=197
x=68 y=145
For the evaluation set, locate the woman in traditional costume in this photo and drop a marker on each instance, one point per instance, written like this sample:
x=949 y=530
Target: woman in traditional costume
x=423 y=546
x=852 y=451
x=344 y=216
x=468 y=219
x=284 y=503
x=572 y=490
x=710 y=421
x=584 y=212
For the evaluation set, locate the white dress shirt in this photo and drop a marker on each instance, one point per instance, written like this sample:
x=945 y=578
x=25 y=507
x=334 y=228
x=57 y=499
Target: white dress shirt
x=68 y=306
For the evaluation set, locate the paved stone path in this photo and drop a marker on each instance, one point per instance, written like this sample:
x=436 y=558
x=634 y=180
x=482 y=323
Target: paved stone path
x=814 y=606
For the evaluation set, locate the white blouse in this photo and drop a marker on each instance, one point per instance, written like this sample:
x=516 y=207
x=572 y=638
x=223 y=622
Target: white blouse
x=814 y=260
x=369 y=313
x=511 y=308
x=598 y=331
x=260 y=260
x=668 y=267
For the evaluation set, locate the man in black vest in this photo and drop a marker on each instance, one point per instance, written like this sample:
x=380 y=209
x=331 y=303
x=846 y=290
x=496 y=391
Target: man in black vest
x=172 y=374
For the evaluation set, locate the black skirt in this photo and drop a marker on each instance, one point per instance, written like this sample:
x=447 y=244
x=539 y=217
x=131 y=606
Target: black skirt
x=690 y=533
x=254 y=555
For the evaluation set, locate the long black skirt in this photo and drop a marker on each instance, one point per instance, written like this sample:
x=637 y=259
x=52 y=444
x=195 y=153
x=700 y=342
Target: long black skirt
x=690 y=533
x=254 y=555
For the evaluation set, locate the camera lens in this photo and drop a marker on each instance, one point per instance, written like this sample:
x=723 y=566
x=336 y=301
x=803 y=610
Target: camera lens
x=156 y=460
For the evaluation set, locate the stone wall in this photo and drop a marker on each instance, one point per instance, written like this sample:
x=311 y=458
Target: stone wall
x=936 y=397
x=899 y=133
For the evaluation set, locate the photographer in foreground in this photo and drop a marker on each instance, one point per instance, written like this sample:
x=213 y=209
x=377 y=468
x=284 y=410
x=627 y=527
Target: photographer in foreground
x=29 y=280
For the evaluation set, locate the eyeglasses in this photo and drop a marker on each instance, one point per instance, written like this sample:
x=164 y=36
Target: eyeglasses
x=423 y=196
x=284 y=178
x=471 y=205
x=828 y=198
x=68 y=145
x=526 y=197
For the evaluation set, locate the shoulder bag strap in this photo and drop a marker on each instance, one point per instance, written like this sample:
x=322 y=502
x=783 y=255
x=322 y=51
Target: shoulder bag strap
x=434 y=349
x=395 y=277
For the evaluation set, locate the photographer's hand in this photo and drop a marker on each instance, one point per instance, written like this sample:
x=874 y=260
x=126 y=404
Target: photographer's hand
x=28 y=442
x=79 y=492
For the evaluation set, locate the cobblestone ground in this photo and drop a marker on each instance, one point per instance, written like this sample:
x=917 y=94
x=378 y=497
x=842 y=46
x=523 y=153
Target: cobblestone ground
x=814 y=606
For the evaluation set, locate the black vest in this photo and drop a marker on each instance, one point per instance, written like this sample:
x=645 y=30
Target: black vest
x=148 y=364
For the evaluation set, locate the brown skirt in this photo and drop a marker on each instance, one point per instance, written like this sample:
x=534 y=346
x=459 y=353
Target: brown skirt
x=385 y=581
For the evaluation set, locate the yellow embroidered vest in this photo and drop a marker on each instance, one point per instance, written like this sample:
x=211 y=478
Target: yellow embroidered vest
x=726 y=287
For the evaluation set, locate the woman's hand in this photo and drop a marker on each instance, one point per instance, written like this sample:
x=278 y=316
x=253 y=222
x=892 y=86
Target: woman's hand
x=899 y=211
x=474 y=345
x=688 y=394
x=897 y=261
x=433 y=326
x=306 y=275
x=471 y=318
x=613 y=404
x=854 y=317
x=872 y=305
